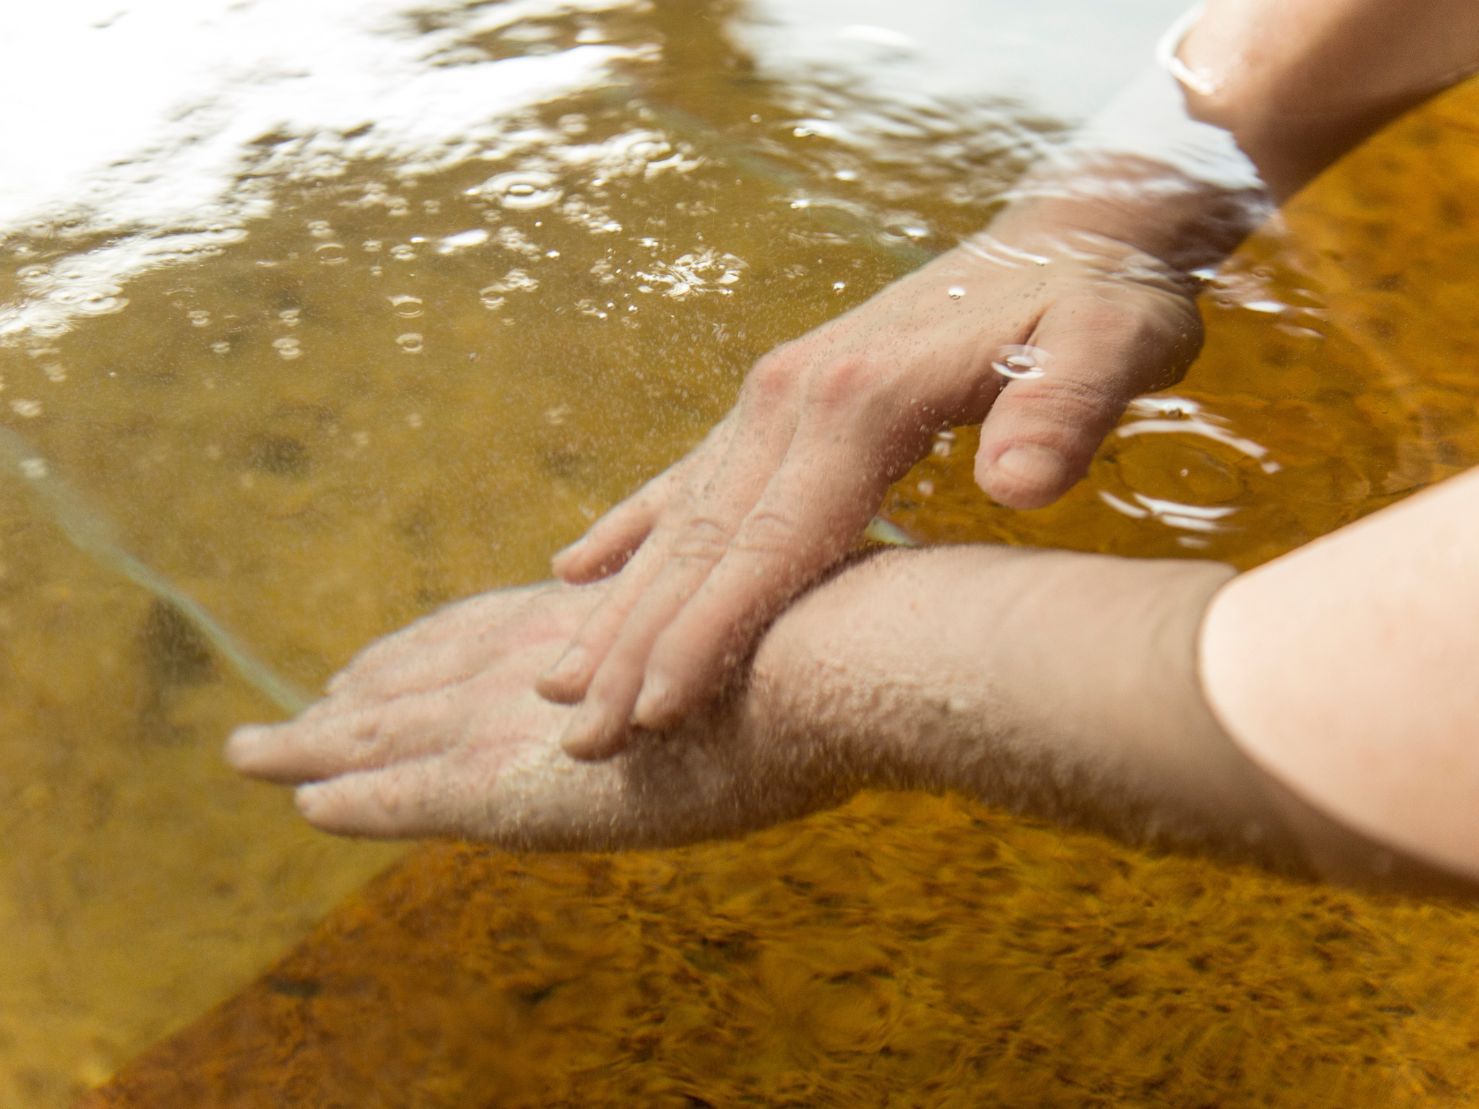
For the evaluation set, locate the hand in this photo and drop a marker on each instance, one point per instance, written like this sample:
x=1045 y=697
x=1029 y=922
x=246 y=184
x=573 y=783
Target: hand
x=1045 y=332
x=437 y=730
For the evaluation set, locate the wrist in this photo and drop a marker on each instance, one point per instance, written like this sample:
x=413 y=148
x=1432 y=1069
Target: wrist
x=1134 y=206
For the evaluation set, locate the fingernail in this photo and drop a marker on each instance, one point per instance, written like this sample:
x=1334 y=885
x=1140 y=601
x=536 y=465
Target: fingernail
x=307 y=799
x=1031 y=465
x=568 y=550
x=585 y=729
x=653 y=705
x=243 y=742
x=566 y=668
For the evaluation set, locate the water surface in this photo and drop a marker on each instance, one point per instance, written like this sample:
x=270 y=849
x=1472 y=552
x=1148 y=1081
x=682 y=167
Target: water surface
x=314 y=317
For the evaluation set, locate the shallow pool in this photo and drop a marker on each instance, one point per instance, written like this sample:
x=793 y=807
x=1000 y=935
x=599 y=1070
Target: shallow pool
x=316 y=316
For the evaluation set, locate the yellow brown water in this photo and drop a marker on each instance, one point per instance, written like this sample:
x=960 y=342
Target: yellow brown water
x=401 y=385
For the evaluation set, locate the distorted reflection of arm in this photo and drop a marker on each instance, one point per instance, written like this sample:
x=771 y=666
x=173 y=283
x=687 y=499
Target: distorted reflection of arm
x=1077 y=298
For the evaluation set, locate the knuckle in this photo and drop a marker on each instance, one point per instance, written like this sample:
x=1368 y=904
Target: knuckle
x=388 y=796
x=1072 y=404
x=767 y=532
x=700 y=539
x=841 y=382
x=772 y=380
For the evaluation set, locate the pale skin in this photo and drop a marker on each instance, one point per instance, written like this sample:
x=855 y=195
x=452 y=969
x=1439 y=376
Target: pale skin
x=1093 y=277
x=723 y=686
x=1063 y=685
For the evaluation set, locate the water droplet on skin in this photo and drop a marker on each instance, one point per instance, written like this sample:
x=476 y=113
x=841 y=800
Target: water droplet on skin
x=287 y=348
x=955 y=292
x=838 y=286
x=410 y=342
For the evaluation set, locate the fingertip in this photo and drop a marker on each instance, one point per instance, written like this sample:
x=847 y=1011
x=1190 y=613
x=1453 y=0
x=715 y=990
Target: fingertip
x=593 y=734
x=245 y=746
x=566 y=681
x=566 y=562
x=1026 y=476
x=310 y=803
x=658 y=705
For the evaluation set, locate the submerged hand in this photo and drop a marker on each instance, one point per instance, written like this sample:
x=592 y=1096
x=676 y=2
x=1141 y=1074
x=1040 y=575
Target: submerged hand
x=437 y=730
x=1044 y=335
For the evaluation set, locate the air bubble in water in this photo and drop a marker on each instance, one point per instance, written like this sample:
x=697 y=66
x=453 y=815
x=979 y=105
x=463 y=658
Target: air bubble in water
x=1020 y=361
x=520 y=189
x=406 y=307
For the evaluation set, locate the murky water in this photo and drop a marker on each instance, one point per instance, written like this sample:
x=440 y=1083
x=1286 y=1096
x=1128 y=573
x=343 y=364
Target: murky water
x=314 y=317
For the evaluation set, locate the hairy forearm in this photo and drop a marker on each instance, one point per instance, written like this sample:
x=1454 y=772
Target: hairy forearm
x=1051 y=683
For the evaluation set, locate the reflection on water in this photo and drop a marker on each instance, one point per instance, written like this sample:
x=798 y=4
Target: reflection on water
x=302 y=334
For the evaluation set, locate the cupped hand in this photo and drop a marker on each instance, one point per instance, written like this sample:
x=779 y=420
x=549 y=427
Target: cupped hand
x=437 y=730
x=1044 y=333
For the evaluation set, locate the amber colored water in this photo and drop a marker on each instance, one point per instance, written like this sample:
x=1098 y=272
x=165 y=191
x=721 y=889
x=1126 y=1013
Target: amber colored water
x=410 y=373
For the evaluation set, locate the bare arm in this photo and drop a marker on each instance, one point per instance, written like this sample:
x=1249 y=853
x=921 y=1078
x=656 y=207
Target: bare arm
x=1299 y=82
x=1347 y=670
x=1076 y=299
x=1058 y=684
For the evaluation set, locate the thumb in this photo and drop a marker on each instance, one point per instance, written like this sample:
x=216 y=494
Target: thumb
x=1085 y=362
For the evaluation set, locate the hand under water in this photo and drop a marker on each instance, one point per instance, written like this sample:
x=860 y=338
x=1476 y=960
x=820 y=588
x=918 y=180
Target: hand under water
x=1044 y=333
x=437 y=730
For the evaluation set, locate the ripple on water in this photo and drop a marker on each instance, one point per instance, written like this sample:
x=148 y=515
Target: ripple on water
x=520 y=189
x=1178 y=465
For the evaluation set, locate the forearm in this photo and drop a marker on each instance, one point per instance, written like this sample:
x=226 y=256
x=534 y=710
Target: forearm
x=1051 y=683
x=1299 y=82
x=1252 y=102
x=1346 y=669
x=1098 y=692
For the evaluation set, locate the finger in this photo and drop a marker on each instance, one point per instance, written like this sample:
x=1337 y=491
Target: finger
x=601 y=725
x=332 y=743
x=612 y=540
x=565 y=682
x=419 y=798
x=384 y=656
x=470 y=639
x=1087 y=359
x=681 y=551
x=421 y=667
x=811 y=513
